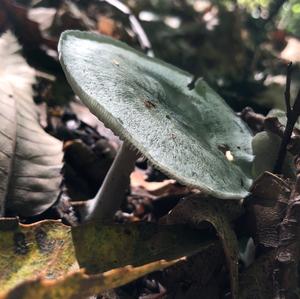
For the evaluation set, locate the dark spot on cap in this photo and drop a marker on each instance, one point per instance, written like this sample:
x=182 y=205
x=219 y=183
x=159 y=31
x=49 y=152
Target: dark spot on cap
x=168 y=116
x=20 y=244
x=149 y=104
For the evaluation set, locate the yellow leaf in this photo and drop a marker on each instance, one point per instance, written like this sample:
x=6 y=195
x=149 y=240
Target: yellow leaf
x=41 y=260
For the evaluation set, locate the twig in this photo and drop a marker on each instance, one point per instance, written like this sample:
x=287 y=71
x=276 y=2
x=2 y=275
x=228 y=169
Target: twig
x=135 y=25
x=287 y=93
x=283 y=146
x=292 y=116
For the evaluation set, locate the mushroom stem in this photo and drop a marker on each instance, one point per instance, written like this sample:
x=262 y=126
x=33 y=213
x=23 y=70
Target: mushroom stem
x=109 y=197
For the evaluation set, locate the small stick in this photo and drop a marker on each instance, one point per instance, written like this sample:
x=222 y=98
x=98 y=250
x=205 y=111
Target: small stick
x=287 y=93
x=292 y=117
x=135 y=25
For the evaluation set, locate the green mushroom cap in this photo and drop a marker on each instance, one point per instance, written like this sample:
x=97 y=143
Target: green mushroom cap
x=190 y=135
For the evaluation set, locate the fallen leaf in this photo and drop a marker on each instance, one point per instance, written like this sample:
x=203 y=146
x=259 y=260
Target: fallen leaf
x=266 y=208
x=31 y=252
x=86 y=116
x=108 y=26
x=31 y=159
x=69 y=16
x=138 y=179
x=198 y=210
x=43 y=16
x=42 y=260
x=256 y=281
x=79 y=285
x=198 y=276
x=27 y=29
x=85 y=167
x=102 y=247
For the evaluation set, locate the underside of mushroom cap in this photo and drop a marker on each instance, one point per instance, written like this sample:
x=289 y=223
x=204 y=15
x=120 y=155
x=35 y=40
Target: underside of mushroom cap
x=190 y=135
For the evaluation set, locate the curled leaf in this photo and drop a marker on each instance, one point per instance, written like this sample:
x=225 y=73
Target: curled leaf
x=79 y=285
x=256 y=281
x=266 y=206
x=197 y=210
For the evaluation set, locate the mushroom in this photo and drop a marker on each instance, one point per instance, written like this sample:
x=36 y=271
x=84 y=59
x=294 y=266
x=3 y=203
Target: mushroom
x=187 y=133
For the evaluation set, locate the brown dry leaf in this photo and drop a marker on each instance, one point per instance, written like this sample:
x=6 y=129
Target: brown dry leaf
x=41 y=260
x=138 y=179
x=198 y=276
x=43 y=16
x=79 y=285
x=30 y=159
x=108 y=26
x=69 y=16
x=256 y=281
x=198 y=210
x=266 y=208
x=27 y=29
x=83 y=113
x=85 y=167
